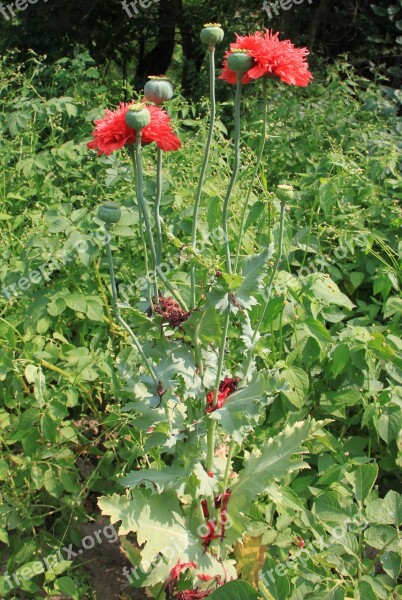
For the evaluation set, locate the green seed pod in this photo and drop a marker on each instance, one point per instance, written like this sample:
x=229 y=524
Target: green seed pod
x=284 y=192
x=212 y=34
x=240 y=62
x=138 y=116
x=109 y=213
x=158 y=90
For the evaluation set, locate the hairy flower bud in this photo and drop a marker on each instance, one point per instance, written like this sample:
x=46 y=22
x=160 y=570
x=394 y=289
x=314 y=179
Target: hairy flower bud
x=212 y=34
x=138 y=116
x=158 y=89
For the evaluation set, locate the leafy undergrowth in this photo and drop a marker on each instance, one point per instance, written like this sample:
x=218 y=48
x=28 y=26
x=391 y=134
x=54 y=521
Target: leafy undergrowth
x=72 y=424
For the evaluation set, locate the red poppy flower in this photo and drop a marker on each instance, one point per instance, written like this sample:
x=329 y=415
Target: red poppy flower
x=226 y=387
x=112 y=132
x=272 y=57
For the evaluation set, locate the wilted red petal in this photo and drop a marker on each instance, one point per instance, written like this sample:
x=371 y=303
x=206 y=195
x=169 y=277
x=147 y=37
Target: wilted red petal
x=226 y=387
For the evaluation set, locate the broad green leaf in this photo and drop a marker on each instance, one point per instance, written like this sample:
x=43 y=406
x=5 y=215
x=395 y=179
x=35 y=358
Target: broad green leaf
x=391 y=562
x=362 y=480
x=94 y=310
x=365 y=591
x=4 y=536
x=328 y=509
x=387 y=511
x=390 y=423
x=76 y=302
x=274 y=580
x=382 y=537
x=317 y=329
x=298 y=385
x=340 y=358
x=326 y=291
x=234 y=590
x=68 y=587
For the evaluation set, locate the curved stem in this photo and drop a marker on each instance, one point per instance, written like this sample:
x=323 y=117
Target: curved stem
x=203 y=170
x=270 y=285
x=143 y=207
x=171 y=289
x=255 y=173
x=117 y=312
x=234 y=174
x=159 y=242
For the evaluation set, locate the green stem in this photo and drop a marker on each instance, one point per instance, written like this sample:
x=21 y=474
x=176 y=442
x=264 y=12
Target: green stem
x=270 y=285
x=203 y=170
x=228 y=465
x=146 y=263
x=117 y=312
x=255 y=173
x=234 y=173
x=143 y=206
x=211 y=429
x=159 y=242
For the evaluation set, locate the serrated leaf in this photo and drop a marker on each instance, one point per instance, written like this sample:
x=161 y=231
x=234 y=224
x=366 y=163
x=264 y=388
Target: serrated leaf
x=209 y=322
x=273 y=461
x=253 y=270
x=156 y=480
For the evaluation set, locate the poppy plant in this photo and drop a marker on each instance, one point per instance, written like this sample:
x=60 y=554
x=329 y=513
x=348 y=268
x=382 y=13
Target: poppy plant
x=112 y=132
x=272 y=58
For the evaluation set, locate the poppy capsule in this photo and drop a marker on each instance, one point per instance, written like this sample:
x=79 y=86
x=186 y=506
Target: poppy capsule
x=158 y=89
x=240 y=62
x=284 y=192
x=138 y=117
x=109 y=213
x=212 y=34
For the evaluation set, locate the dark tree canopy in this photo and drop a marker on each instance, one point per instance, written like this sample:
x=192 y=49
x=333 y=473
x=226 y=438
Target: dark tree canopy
x=146 y=42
